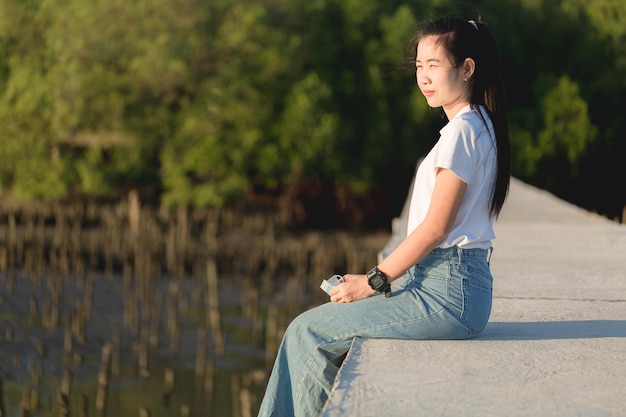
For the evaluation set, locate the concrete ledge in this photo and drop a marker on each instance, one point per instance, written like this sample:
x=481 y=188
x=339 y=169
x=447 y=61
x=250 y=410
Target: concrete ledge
x=484 y=377
x=555 y=345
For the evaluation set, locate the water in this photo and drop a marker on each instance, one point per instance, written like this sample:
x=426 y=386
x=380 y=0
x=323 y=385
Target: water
x=36 y=358
x=117 y=311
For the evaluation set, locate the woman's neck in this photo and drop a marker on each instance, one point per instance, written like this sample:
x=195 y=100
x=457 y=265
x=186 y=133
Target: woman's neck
x=452 y=111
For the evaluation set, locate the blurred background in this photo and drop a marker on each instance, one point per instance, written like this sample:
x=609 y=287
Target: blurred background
x=177 y=176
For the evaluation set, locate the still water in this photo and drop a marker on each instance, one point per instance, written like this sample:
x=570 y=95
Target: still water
x=199 y=350
x=129 y=310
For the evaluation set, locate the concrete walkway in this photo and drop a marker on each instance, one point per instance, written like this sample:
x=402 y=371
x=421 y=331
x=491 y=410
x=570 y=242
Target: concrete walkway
x=555 y=344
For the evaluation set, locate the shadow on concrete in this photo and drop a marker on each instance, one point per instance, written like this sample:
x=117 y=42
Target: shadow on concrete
x=553 y=330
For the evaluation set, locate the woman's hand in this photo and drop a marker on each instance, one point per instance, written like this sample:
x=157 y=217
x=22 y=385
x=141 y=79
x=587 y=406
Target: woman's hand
x=351 y=288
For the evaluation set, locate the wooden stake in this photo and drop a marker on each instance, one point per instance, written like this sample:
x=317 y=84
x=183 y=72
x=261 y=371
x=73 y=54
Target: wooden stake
x=200 y=351
x=64 y=404
x=83 y=405
x=2 y=411
x=168 y=385
x=103 y=378
x=67 y=382
x=115 y=355
x=8 y=333
x=213 y=313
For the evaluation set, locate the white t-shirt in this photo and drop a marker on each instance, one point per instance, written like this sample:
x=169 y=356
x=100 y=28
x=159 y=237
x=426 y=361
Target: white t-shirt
x=467 y=147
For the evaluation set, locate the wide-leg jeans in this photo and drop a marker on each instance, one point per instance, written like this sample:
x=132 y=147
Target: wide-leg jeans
x=447 y=296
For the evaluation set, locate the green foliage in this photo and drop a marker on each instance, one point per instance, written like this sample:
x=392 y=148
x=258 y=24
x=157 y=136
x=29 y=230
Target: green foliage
x=307 y=133
x=564 y=67
x=566 y=132
x=567 y=128
x=199 y=103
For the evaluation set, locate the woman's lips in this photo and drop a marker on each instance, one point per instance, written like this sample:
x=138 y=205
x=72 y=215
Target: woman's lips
x=428 y=93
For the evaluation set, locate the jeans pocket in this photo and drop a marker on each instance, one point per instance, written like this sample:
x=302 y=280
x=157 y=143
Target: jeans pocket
x=476 y=306
x=435 y=280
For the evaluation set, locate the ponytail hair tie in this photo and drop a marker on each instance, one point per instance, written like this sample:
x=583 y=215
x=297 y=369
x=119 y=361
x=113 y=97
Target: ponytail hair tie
x=471 y=22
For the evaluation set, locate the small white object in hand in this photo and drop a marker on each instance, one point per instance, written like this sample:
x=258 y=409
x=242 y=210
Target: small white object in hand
x=328 y=284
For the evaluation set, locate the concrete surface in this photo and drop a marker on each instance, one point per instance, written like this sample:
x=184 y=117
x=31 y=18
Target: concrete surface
x=555 y=344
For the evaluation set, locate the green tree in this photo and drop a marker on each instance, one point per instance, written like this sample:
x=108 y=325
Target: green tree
x=91 y=93
x=213 y=103
x=32 y=160
x=210 y=158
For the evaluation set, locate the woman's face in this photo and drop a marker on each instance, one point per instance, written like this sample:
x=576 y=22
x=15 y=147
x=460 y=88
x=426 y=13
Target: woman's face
x=441 y=83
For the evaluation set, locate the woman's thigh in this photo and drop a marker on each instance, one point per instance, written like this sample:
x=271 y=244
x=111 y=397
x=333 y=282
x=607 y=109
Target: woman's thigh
x=411 y=312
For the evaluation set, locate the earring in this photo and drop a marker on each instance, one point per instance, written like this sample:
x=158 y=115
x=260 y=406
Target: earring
x=465 y=79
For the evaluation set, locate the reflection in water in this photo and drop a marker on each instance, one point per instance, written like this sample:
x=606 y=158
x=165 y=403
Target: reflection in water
x=126 y=311
x=151 y=367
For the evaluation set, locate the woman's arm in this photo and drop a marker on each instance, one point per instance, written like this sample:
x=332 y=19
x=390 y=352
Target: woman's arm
x=444 y=206
x=446 y=200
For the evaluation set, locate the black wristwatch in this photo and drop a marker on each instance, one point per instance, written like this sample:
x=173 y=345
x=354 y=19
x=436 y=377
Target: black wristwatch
x=378 y=281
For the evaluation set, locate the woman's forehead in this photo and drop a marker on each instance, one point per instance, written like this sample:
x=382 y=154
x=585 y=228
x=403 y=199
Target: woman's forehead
x=429 y=47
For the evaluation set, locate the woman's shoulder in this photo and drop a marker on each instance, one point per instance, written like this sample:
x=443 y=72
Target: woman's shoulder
x=473 y=114
x=464 y=122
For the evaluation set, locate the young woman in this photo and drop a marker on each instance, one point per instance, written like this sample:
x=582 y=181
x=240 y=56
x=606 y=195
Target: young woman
x=459 y=190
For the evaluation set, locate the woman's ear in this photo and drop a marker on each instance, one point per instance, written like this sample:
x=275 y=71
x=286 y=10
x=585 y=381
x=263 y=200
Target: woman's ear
x=469 y=65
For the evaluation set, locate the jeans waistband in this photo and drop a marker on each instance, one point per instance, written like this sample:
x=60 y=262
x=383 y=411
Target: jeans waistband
x=461 y=253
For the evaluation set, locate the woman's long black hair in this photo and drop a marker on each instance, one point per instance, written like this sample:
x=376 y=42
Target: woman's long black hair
x=472 y=39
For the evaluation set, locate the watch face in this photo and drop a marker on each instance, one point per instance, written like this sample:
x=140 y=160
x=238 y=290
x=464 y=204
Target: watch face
x=377 y=281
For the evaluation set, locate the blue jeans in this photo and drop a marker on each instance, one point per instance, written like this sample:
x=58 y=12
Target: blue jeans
x=447 y=296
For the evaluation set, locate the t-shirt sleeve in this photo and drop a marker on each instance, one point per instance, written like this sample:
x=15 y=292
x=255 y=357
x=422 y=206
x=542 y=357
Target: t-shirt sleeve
x=456 y=150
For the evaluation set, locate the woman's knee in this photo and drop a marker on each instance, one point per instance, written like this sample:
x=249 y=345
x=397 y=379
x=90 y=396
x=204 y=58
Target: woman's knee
x=309 y=324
